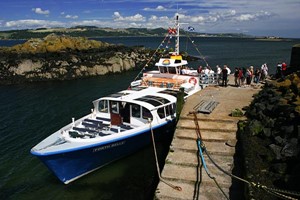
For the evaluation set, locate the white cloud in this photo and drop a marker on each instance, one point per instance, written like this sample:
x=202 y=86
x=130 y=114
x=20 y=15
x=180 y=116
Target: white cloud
x=135 y=25
x=71 y=16
x=40 y=11
x=245 y=17
x=117 y=15
x=153 y=18
x=91 y=23
x=32 y=23
x=135 y=18
x=160 y=8
x=253 y=16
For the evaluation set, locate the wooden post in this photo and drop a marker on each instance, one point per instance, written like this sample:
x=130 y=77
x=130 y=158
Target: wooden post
x=179 y=103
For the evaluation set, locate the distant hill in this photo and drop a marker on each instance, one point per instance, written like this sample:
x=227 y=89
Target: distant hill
x=94 y=32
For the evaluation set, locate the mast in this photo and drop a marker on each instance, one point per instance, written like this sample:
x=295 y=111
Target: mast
x=177 y=35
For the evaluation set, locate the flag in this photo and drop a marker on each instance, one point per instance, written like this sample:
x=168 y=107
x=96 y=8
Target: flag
x=172 y=31
x=190 y=28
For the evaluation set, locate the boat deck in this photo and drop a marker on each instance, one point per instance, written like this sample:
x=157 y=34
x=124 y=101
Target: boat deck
x=162 y=82
x=95 y=127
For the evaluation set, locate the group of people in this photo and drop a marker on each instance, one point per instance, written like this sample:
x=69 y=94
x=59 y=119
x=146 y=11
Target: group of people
x=281 y=69
x=243 y=77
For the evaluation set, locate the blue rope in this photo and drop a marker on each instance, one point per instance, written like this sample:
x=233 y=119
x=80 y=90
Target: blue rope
x=206 y=169
x=202 y=158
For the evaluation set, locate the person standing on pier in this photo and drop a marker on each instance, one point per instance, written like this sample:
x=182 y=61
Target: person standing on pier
x=219 y=72
x=224 y=76
x=236 y=77
x=264 y=72
x=257 y=75
x=279 y=70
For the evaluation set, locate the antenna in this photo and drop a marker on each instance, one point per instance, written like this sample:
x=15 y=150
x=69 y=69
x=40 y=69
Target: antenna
x=177 y=26
x=177 y=34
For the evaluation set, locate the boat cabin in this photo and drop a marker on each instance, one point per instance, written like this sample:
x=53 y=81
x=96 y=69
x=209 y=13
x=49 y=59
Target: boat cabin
x=135 y=111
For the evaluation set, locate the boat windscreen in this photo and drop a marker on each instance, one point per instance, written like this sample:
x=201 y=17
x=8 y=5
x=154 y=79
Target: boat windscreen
x=116 y=95
x=171 y=92
x=153 y=100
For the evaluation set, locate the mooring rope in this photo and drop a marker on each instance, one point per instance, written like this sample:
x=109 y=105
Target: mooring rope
x=206 y=169
x=157 y=164
x=273 y=191
x=199 y=145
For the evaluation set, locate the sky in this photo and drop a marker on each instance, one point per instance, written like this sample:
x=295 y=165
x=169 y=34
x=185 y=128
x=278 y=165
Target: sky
x=280 y=18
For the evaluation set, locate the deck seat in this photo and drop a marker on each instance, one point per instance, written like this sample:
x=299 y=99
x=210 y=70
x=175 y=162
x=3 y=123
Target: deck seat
x=84 y=130
x=96 y=126
x=93 y=132
x=103 y=119
x=115 y=130
x=126 y=127
x=93 y=121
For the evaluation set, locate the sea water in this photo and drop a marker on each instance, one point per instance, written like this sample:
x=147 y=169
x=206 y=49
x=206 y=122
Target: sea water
x=30 y=112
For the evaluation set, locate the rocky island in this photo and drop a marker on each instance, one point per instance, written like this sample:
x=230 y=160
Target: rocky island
x=63 y=58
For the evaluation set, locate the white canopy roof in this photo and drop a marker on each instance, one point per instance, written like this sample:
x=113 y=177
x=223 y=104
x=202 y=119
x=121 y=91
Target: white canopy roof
x=169 y=62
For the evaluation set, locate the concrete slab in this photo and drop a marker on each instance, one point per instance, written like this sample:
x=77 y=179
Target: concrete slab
x=189 y=191
x=216 y=148
x=212 y=125
x=207 y=135
x=184 y=158
x=189 y=174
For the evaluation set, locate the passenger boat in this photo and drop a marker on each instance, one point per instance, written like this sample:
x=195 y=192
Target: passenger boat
x=121 y=123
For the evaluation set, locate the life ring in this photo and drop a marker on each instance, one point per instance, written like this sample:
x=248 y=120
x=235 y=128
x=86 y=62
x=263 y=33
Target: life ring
x=193 y=80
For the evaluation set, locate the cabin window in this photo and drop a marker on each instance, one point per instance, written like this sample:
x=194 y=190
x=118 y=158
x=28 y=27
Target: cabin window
x=161 y=112
x=114 y=107
x=103 y=106
x=136 y=111
x=173 y=108
x=163 y=69
x=146 y=114
x=172 y=70
x=169 y=110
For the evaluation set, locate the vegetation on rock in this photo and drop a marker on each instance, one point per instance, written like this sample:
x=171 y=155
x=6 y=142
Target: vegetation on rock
x=270 y=138
x=55 y=43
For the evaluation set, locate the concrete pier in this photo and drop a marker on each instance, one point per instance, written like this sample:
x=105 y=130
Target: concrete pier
x=218 y=130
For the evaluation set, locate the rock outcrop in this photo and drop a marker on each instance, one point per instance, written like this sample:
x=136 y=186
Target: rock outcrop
x=295 y=57
x=270 y=138
x=63 y=58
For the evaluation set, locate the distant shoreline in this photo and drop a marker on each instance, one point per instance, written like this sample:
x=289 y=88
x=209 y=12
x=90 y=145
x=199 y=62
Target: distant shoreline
x=273 y=39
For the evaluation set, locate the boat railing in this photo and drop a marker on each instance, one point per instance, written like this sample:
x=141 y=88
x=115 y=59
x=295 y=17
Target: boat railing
x=163 y=82
x=210 y=79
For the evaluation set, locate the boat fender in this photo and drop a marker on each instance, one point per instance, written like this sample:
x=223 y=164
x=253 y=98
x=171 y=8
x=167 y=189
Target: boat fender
x=193 y=80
